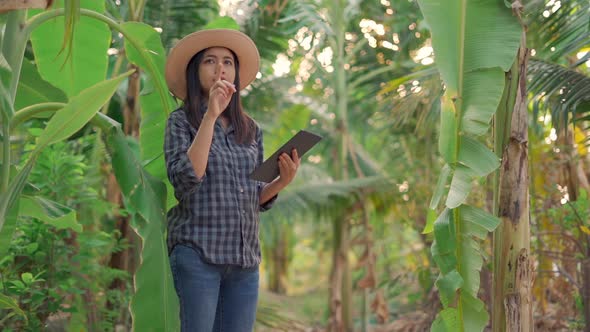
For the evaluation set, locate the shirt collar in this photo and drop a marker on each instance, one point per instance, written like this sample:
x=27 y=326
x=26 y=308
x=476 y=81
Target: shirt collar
x=229 y=129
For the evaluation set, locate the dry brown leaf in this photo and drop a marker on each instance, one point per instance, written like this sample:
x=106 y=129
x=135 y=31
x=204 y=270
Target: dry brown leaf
x=380 y=307
x=362 y=261
x=368 y=281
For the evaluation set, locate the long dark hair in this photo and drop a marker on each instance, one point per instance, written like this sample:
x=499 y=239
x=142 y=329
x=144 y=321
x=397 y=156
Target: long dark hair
x=194 y=104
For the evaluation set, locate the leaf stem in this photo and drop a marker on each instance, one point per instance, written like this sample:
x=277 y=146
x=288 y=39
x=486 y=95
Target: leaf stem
x=5 y=175
x=99 y=120
x=28 y=112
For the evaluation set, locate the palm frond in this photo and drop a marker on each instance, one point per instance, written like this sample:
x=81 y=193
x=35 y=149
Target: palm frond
x=308 y=14
x=367 y=163
x=270 y=316
x=410 y=100
x=321 y=197
x=561 y=28
x=557 y=88
x=179 y=18
x=265 y=27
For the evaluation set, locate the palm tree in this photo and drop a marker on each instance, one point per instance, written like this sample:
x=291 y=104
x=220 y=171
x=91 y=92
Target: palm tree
x=559 y=88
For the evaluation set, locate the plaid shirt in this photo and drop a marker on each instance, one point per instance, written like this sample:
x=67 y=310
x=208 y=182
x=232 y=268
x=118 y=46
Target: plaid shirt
x=217 y=214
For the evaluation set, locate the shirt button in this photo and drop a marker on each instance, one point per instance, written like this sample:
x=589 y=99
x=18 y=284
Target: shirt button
x=241 y=190
x=243 y=211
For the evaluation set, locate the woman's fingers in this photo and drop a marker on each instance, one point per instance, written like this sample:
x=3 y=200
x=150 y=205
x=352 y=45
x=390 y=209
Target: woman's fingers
x=288 y=166
x=295 y=157
x=224 y=86
x=229 y=86
x=287 y=162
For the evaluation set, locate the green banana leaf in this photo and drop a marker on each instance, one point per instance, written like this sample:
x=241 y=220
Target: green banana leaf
x=32 y=89
x=439 y=190
x=155 y=100
x=154 y=306
x=5 y=98
x=459 y=257
x=448 y=286
x=461 y=185
x=73 y=70
x=447 y=142
x=446 y=321
x=78 y=111
x=50 y=212
x=9 y=206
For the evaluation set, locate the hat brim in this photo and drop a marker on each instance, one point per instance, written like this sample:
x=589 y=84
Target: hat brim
x=187 y=47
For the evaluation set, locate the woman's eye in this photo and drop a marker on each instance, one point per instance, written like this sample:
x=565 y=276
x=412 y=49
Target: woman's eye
x=209 y=61
x=228 y=62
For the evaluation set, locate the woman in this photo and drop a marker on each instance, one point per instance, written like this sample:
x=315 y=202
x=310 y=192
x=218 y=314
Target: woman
x=211 y=146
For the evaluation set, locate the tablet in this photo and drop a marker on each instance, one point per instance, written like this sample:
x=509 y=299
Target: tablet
x=269 y=169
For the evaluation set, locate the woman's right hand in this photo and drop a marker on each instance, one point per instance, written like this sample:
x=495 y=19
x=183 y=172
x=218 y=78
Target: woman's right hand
x=220 y=95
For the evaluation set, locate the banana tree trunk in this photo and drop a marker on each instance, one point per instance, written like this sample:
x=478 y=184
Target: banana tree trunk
x=126 y=260
x=513 y=265
x=131 y=110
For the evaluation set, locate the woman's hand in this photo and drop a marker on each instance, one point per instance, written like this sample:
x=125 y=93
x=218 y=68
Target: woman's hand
x=288 y=166
x=220 y=95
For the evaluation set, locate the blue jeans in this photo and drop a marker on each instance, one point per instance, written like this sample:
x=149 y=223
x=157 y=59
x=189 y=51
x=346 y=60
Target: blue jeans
x=220 y=298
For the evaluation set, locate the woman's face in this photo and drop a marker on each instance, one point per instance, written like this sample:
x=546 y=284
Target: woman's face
x=217 y=62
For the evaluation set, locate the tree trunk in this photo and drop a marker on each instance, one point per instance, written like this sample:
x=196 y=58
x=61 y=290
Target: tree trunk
x=341 y=286
x=340 y=279
x=513 y=266
x=279 y=261
x=131 y=110
x=585 y=290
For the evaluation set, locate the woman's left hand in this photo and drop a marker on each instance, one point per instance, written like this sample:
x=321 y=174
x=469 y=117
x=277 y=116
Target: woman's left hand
x=288 y=166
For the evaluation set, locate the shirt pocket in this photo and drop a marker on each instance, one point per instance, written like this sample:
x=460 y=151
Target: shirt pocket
x=217 y=160
x=250 y=152
x=216 y=146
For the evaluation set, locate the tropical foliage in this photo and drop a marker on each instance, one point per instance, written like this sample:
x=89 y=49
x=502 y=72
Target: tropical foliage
x=380 y=230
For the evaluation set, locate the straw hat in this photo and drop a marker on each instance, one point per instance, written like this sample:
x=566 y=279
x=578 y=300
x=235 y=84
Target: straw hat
x=187 y=47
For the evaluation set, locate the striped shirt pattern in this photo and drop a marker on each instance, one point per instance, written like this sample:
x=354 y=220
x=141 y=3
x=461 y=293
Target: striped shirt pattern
x=218 y=214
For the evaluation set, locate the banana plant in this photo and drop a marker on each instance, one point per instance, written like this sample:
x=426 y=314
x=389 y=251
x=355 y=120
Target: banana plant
x=77 y=96
x=475 y=43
